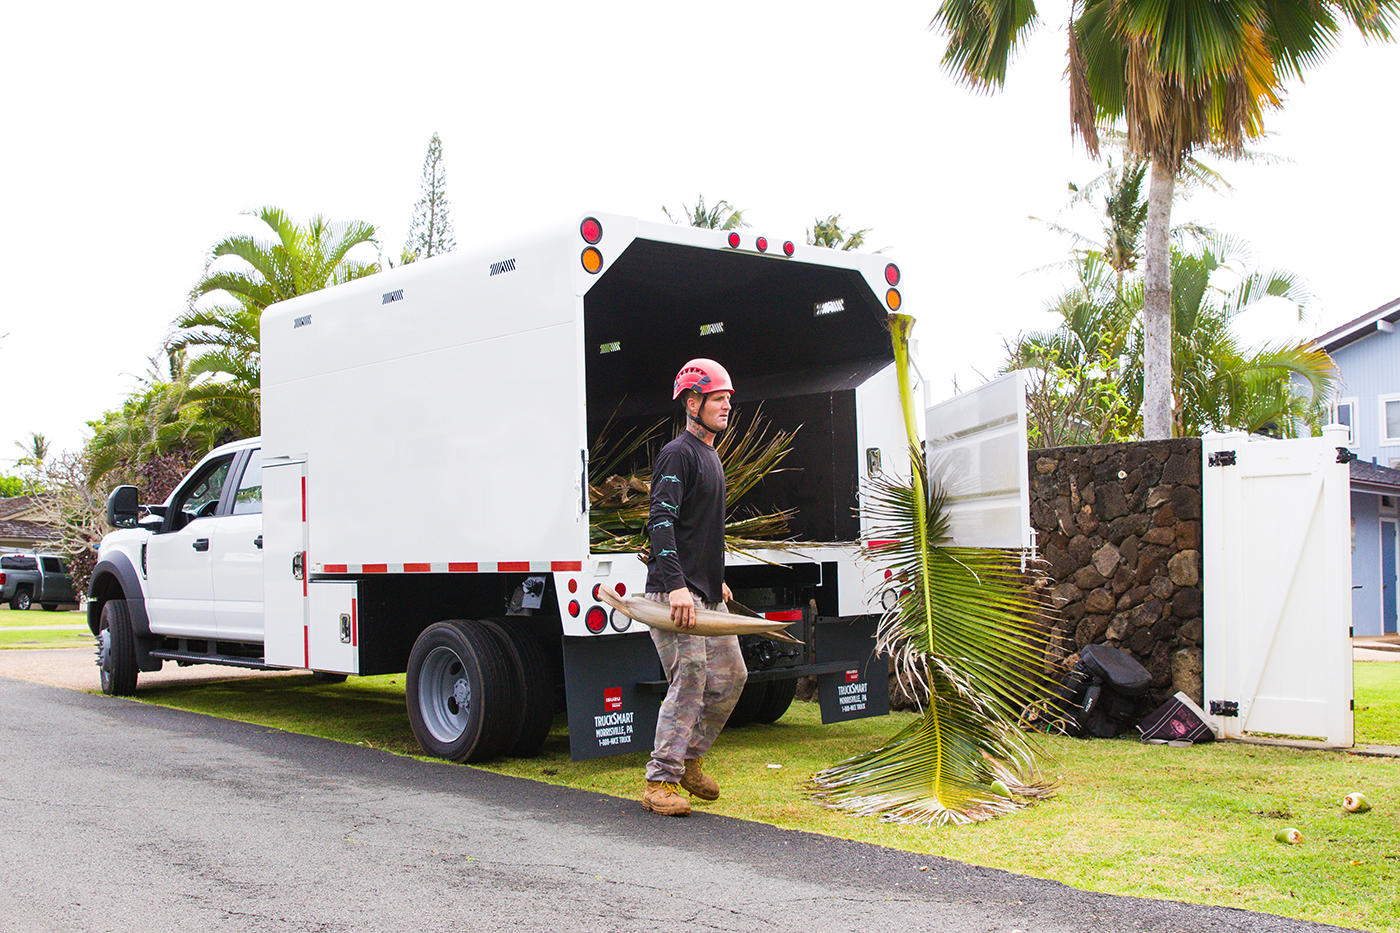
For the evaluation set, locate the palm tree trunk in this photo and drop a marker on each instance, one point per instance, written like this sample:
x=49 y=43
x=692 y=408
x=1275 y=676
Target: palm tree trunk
x=1157 y=307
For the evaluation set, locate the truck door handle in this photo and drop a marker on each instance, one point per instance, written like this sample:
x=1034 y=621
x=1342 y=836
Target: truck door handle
x=257 y=542
x=201 y=544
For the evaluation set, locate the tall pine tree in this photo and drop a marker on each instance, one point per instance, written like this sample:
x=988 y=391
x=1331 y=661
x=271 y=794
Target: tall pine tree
x=430 y=233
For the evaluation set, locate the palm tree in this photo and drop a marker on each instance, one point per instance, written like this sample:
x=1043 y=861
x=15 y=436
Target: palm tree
x=35 y=452
x=830 y=234
x=297 y=260
x=1182 y=75
x=723 y=216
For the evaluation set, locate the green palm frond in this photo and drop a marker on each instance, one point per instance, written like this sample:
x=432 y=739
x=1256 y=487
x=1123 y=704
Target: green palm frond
x=967 y=635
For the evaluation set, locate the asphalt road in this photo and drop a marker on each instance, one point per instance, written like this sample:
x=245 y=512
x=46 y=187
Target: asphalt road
x=116 y=816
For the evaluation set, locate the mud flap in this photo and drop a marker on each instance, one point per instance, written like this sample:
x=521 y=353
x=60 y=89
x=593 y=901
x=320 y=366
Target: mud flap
x=863 y=688
x=612 y=699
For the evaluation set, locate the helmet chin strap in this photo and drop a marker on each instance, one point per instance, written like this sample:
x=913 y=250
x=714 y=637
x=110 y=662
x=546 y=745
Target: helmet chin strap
x=696 y=417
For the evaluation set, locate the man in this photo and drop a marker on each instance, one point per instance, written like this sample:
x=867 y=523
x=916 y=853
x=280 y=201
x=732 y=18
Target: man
x=706 y=675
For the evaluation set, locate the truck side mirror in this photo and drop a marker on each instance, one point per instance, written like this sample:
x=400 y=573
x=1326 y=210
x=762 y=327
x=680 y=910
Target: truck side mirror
x=123 y=507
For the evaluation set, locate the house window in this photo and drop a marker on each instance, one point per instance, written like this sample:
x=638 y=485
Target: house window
x=1390 y=419
x=1344 y=412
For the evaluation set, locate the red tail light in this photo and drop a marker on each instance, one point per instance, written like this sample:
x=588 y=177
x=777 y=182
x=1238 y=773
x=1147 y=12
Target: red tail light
x=592 y=231
x=892 y=274
x=573 y=586
x=734 y=240
x=2 y=579
x=788 y=247
x=596 y=620
x=621 y=589
x=573 y=608
x=762 y=244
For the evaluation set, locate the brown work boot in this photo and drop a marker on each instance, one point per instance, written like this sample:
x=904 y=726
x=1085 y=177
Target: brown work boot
x=697 y=782
x=664 y=797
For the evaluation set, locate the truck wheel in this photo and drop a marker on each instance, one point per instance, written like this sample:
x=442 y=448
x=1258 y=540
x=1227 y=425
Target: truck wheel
x=116 y=649
x=21 y=600
x=537 y=688
x=747 y=707
x=776 y=700
x=457 y=692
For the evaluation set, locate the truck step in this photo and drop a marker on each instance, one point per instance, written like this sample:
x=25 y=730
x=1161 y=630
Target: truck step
x=176 y=654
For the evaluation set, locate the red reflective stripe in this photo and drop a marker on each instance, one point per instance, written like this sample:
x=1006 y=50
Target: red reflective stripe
x=375 y=568
x=337 y=568
x=561 y=565
x=303 y=498
x=513 y=566
x=306 y=646
x=354 y=625
x=784 y=615
x=461 y=567
x=417 y=568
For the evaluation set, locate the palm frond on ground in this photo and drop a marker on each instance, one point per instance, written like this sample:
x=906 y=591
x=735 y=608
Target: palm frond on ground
x=967 y=634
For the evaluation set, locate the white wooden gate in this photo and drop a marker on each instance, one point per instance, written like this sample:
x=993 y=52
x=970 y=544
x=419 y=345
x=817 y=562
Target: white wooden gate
x=1276 y=543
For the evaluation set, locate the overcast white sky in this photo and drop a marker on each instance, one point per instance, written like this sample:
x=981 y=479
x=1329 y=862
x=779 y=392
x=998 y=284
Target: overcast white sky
x=135 y=135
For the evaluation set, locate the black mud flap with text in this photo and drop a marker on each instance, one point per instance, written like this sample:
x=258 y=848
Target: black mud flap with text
x=610 y=711
x=863 y=688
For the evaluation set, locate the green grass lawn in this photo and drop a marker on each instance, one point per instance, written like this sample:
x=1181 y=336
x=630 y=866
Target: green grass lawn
x=55 y=622
x=1193 y=824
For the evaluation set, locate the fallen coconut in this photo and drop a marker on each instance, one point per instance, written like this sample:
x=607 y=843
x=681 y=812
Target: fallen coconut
x=1000 y=789
x=1355 y=803
x=1288 y=836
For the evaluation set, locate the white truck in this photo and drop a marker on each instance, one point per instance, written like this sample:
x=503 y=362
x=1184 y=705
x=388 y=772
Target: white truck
x=419 y=500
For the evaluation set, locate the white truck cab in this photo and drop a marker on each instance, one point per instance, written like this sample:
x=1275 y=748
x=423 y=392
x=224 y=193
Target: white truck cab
x=419 y=502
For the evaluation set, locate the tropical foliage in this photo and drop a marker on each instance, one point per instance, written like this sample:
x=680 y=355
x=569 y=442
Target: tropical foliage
x=430 y=232
x=967 y=633
x=722 y=216
x=1179 y=76
x=619 y=497
x=224 y=335
x=832 y=235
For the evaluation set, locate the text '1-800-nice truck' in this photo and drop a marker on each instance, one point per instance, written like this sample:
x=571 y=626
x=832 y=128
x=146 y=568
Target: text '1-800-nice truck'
x=419 y=499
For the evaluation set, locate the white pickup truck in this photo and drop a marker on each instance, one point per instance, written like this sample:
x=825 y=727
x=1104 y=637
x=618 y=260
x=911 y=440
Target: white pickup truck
x=419 y=498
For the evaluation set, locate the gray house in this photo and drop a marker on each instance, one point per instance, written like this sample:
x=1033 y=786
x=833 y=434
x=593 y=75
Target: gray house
x=1367 y=353
x=19 y=528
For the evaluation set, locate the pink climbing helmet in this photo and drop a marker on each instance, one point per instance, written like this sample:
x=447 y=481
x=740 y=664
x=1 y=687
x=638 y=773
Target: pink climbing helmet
x=704 y=376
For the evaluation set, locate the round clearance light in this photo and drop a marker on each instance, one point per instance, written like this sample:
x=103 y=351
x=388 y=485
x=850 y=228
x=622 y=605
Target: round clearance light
x=573 y=608
x=592 y=260
x=596 y=588
x=596 y=620
x=892 y=299
x=788 y=248
x=891 y=273
x=573 y=586
x=734 y=240
x=762 y=244
x=621 y=589
x=619 y=622
x=592 y=231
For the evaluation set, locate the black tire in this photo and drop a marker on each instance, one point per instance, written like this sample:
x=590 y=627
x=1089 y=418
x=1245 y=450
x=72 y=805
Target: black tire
x=116 y=649
x=458 y=692
x=537 y=687
x=326 y=677
x=747 y=707
x=776 y=700
x=21 y=600
x=50 y=607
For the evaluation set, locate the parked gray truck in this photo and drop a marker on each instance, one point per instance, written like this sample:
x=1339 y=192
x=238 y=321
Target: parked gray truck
x=35 y=579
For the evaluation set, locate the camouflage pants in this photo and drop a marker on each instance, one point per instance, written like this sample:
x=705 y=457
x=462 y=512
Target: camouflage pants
x=706 y=675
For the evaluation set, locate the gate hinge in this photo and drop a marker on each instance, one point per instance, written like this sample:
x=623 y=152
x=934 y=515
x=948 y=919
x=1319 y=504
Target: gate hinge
x=1221 y=458
x=1224 y=708
x=1344 y=455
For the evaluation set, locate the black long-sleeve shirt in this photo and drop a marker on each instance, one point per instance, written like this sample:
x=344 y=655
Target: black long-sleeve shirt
x=687 y=519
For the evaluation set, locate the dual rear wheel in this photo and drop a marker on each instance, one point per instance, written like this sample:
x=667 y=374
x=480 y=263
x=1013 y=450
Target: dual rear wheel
x=478 y=690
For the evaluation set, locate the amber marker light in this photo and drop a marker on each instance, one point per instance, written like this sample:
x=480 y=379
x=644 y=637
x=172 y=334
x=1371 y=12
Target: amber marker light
x=592 y=260
x=892 y=299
